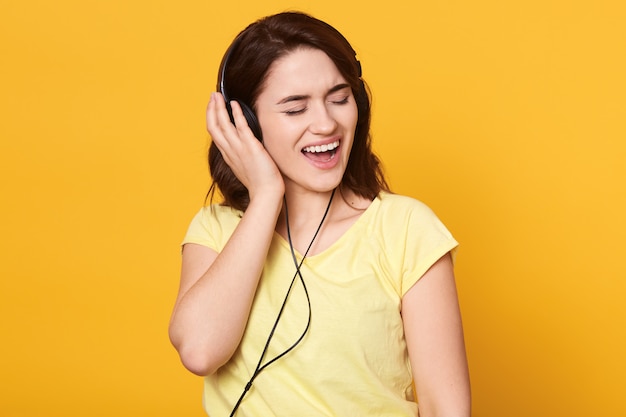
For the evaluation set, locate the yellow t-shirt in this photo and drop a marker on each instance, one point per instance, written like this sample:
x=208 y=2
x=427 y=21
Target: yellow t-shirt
x=353 y=360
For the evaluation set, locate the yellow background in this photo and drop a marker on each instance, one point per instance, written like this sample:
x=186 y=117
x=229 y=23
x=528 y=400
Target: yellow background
x=507 y=118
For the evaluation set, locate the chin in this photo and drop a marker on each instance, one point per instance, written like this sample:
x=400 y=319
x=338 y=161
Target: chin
x=328 y=187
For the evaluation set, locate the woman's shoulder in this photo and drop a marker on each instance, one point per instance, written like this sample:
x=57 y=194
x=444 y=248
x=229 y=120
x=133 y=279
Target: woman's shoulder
x=414 y=223
x=216 y=216
x=397 y=204
x=212 y=225
x=404 y=214
x=219 y=211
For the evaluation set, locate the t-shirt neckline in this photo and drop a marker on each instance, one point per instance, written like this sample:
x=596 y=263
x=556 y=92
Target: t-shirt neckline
x=346 y=235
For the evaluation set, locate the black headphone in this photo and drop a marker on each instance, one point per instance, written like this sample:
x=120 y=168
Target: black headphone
x=248 y=113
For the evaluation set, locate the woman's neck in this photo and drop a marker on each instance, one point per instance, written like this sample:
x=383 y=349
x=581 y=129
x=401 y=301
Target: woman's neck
x=306 y=211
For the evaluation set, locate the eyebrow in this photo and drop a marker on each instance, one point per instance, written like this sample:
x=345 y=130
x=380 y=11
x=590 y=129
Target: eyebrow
x=297 y=97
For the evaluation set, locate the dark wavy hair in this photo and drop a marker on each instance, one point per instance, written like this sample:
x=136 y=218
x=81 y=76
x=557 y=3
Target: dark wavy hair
x=252 y=54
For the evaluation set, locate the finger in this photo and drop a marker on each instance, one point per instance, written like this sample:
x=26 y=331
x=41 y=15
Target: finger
x=219 y=127
x=213 y=124
x=241 y=123
x=223 y=118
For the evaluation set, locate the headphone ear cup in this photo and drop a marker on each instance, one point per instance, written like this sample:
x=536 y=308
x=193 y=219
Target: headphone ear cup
x=253 y=122
x=362 y=100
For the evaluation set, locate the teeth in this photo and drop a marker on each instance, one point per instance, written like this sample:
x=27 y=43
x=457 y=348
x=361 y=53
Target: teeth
x=322 y=148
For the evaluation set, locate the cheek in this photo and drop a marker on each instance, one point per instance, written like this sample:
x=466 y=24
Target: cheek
x=270 y=123
x=351 y=116
x=279 y=140
x=280 y=131
x=352 y=127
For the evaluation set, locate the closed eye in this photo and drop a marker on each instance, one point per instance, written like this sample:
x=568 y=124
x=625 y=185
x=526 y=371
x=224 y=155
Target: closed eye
x=339 y=95
x=341 y=101
x=295 y=111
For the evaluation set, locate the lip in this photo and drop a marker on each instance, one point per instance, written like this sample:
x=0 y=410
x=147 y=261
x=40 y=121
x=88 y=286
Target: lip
x=325 y=165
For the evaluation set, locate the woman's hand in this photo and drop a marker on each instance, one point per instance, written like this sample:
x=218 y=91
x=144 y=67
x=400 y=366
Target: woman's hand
x=241 y=150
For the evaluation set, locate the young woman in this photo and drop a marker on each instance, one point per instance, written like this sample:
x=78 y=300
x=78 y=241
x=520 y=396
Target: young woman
x=311 y=290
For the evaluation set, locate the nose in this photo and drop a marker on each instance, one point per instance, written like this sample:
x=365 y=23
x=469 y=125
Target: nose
x=322 y=120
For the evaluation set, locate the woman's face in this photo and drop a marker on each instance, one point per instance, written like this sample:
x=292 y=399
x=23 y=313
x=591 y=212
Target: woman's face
x=308 y=117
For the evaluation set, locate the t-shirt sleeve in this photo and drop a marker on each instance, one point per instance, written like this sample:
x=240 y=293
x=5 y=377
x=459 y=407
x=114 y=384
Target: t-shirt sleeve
x=427 y=240
x=203 y=230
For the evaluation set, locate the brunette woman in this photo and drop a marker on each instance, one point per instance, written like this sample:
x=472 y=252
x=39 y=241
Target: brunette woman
x=310 y=289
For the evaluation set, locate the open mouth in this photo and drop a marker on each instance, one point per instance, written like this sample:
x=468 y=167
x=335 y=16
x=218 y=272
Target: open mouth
x=321 y=153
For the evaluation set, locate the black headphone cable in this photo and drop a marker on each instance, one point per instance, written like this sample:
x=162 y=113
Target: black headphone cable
x=297 y=264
